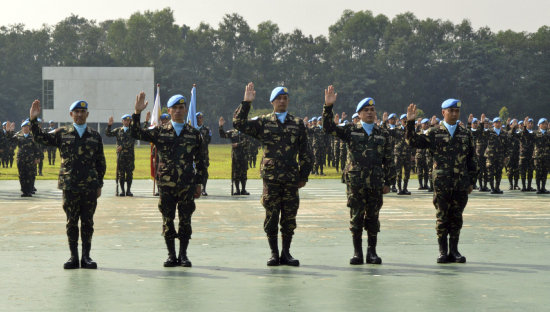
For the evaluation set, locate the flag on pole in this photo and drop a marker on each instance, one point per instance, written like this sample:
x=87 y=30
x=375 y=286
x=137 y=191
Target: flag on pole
x=192 y=112
x=155 y=122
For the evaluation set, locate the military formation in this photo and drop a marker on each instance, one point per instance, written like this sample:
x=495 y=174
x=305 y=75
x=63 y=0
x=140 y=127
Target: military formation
x=374 y=157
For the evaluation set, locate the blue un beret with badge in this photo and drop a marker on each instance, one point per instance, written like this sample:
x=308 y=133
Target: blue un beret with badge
x=51 y=121
x=520 y=122
x=474 y=120
x=176 y=99
x=78 y=104
x=392 y=115
x=355 y=115
x=542 y=120
x=425 y=120
x=364 y=102
x=4 y=123
x=127 y=116
x=164 y=116
x=25 y=123
x=497 y=119
x=198 y=114
x=403 y=116
x=276 y=92
x=451 y=103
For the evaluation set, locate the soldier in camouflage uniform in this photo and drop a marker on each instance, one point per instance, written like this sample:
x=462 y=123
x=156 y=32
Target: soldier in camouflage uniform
x=180 y=169
x=125 y=152
x=285 y=166
x=8 y=147
x=542 y=155
x=239 y=163
x=28 y=156
x=254 y=146
x=526 y=148
x=4 y=145
x=80 y=176
x=455 y=169
x=497 y=148
x=206 y=138
x=319 y=148
x=389 y=124
x=512 y=165
x=52 y=150
x=336 y=149
x=40 y=164
x=422 y=158
x=369 y=174
x=481 y=138
x=402 y=154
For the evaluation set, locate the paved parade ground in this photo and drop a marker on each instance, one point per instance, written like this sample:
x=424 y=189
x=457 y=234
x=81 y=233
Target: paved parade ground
x=506 y=239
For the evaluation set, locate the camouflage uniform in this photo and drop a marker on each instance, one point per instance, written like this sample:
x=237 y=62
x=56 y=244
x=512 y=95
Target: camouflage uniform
x=336 y=151
x=319 y=149
x=4 y=148
x=125 y=158
x=480 y=138
x=512 y=167
x=402 y=154
x=455 y=170
x=542 y=159
x=495 y=153
x=526 y=161
x=253 y=152
x=343 y=155
x=28 y=151
x=421 y=158
x=239 y=163
x=206 y=138
x=286 y=161
x=369 y=169
x=52 y=150
x=80 y=177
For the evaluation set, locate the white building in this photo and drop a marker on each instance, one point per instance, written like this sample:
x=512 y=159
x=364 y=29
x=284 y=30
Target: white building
x=109 y=91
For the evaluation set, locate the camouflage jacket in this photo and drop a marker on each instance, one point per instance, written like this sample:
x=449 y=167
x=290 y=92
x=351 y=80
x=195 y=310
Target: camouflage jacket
x=421 y=153
x=514 y=137
x=401 y=148
x=28 y=150
x=454 y=161
x=319 y=138
x=180 y=157
x=497 y=145
x=480 y=139
x=239 y=143
x=125 y=140
x=542 y=145
x=287 y=157
x=526 y=144
x=82 y=159
x=206 y=138
x=369 y=157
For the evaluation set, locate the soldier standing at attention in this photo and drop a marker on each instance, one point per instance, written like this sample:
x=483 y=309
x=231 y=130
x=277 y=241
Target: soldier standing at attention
x=513 y=162
x=180 y=171
x=125 y=152
x=239 y=161
x=369 y=172
x=206 y=138
x=319 y=148
x=402 y=154
x=80 y=177
x=28 y=156
x=51 y=149
x=422 y=158
x=285 y=166
x=455 y=169
x=526 y=148
x=497 y=141
x=542 y=155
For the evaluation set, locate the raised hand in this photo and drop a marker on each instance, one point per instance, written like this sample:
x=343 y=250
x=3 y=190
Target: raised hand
x=330 y=97
x=385 y=117
x=110 y=123
x=249 y=92
x=35 y=110
x=433 y=120
x=470 y=118
x=148 y=116
x=221 y=122
x=344 y=115
x=482 y=120
x=10 y=126
x=411 y=112
x=141 y=104
x=525 y=121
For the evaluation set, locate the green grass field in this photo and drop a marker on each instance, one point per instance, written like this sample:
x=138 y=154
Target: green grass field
x=220 y=165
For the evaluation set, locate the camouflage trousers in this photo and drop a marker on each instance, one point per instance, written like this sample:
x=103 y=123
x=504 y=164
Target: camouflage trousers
x=281 y=202
x=512 y=168
x=494 y=169
x=542 y=166
x=81 y=205
x=319 y=154
x=239 y=166
x=126 y=168
x=526 y=166
x=51 y=155
x=205 y=175
x=336 y=163
x=422 y=169
x=403 y=163
x=181 y=199
x=449 y=205
x=483 y=172
x=27 y=174
x=364 y=204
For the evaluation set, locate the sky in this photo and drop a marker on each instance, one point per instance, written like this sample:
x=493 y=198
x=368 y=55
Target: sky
x=313 y=17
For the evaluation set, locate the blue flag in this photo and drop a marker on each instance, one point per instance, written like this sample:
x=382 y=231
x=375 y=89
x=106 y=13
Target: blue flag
x=192 y=113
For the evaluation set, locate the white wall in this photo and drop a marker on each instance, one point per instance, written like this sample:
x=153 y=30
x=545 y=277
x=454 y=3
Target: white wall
x=109 y=91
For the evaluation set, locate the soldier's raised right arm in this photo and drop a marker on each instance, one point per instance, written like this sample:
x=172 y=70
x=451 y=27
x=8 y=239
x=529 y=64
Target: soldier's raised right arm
x=40 y=135
x=137 y=132
x=411 y=137
x=252 y=127
x=329 y=126
x=108 y=131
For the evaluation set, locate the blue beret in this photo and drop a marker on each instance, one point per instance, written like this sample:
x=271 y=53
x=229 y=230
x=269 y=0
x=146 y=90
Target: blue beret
x=276 y=92
x=542 y=120
x=127 y=116
x=520 y=122
x=78 y=104
x=320 y=118
x=437 y=119
x=4 y=123
x=425 y=120
x=176 y=99
x=38 y=119
x=451 y=103
x=198 y=114
x=165 y=116
x=355 y=115
x=51 y=121
x=497 y=119
x=530 y=120
x=364 y=102
x=25 y=123
x=403 y=116
x=474 y=120
x=392 y=115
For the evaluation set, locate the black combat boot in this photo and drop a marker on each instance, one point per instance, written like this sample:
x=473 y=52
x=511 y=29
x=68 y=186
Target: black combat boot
x=129 y=184
x=523 y=188
x=182 y=258
x=123 y=193
x=273 y=245
x=454 y=255
x=493 y=189
x=372 y=257
x=516 y=180
x=443 y=246
x=286 y=258
x=204 y=189
x=399 y=189
x=357 y=250
x=529 y=187
x=420 y=185
x=72 y=263
x=405 y=185
x=497 y=186
x=171 y=261
x=238 y=192
x=543 y=186
x=393 y=189
x=244 y=192
x=511 y=181
x=86 y=262
x=539 y=190
x=426 y=184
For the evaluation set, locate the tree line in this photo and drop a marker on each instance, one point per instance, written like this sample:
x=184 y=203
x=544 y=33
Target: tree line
x=396 y=61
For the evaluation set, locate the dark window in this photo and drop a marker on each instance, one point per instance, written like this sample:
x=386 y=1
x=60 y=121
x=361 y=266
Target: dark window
x=47 y=94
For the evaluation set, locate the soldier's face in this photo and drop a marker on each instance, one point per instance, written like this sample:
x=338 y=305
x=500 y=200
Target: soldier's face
x=280 y=103
x=529 y=125
x=544 y=125
x=356 y=120
x=451 y=115
x=178 y=113
x=79 y=116
x=367 y=114
x=52 y=124
x=474 y=125
x=26 y=129
x=126 y=122
x=199 y=120
x=497 y=125
x=391 y=121
x=425 y=126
